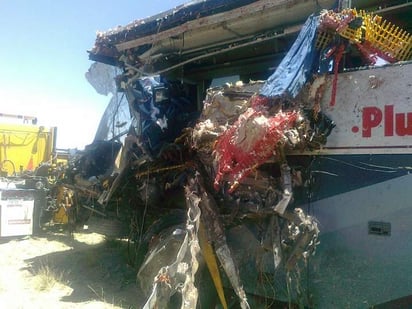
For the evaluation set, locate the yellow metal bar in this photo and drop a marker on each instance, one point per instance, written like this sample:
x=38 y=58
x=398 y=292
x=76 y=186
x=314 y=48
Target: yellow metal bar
x=211 y=263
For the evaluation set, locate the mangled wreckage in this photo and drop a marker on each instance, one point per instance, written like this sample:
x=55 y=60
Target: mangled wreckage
x=226 y=188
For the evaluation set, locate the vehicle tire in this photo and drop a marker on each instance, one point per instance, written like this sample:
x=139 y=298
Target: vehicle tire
x=37 y=216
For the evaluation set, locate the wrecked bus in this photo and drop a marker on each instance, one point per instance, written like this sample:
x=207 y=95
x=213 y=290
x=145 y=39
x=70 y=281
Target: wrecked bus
x=284 y=185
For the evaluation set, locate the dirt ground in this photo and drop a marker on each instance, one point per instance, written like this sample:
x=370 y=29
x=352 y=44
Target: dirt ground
x=55 y=270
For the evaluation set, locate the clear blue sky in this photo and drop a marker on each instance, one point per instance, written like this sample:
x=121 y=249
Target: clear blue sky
x=43 y=59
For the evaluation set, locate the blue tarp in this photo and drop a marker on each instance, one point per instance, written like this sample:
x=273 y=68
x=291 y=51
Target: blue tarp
x=297 y=66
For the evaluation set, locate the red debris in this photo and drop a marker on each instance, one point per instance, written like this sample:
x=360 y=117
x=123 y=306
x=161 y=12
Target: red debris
x=338 y=58
x=251 y=141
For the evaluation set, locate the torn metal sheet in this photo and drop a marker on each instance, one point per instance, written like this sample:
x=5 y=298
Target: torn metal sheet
x=172 y=39
x=181 y=248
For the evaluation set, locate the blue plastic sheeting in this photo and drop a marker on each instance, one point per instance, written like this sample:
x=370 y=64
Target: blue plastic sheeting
x=159 y=119
x=298 y=64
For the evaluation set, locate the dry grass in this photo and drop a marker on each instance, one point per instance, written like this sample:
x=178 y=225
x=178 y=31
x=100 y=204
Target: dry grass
x=101 y=296
x=46 y=277
x=55 y=271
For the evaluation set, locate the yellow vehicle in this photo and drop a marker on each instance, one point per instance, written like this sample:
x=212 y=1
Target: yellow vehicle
x=27 y=153
x=24 y=146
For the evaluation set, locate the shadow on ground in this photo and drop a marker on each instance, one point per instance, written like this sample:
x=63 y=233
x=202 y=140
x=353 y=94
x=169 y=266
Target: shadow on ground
x=94 y=272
